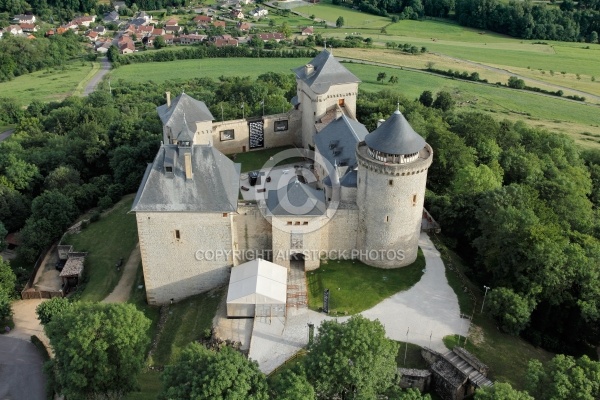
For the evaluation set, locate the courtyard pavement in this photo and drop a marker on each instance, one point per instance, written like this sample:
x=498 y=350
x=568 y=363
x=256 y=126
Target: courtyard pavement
x=428 y=311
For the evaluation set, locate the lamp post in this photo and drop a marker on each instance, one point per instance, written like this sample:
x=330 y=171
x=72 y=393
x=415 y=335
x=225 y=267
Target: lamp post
x=485 y=294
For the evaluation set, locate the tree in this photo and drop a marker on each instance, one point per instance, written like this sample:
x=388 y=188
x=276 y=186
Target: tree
x=381 y=76
x=159 y=42
x=393 y=79
x=501 y=391
x=351 y=357
x=201 y=373
x=443 y=101
x=510 y=309
x=47 y=310
x=61 y=177
x=292 y=385
x=7 y=288
x=564 y=377
x=426 y=98
x=339 y=22
x=516 y=83
x=58 y=209
x=286 y=30
x=472 y=179
x=99 y=349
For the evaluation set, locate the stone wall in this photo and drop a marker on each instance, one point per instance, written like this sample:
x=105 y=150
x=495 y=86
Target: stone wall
x=241 y=133
x=175 y=250
x=340 y=233
x=252 y=233
x=415 y=378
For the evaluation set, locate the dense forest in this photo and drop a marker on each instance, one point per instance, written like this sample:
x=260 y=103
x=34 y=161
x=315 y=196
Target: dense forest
x=19 y=55
x=571 y=21
x=520 y=204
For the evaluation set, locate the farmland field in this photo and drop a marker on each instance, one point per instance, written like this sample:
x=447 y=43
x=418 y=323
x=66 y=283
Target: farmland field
x=48 y=85
x=352 y=18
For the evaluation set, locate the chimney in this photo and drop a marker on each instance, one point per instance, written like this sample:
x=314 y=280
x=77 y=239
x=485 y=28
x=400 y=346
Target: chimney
x=338 y=112
x=188 y=166
x=379 y=122
x=168 y=99
x=309 y=69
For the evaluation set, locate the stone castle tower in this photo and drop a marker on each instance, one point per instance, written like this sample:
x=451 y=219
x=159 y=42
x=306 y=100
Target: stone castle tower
x=323 y=85
x=392 y=173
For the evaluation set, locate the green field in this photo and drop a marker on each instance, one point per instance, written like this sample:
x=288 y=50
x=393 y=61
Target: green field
x=113 y=237
x=356 y=287
x=49 y=85
x=352 y=18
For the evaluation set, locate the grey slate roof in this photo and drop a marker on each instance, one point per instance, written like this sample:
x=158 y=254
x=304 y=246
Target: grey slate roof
x=183 y=105
x=348 y=179
x=337 y=141
x=328 y=71
x=296 y=199
x=395 y=136
x=213 y=188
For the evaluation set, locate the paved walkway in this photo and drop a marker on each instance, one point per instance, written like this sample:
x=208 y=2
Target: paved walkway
x=428 y=311
x=121 y=292
x=104 y=69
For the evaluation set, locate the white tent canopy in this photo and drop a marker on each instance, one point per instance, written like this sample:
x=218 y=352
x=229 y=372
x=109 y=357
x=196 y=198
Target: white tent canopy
x=257 y=288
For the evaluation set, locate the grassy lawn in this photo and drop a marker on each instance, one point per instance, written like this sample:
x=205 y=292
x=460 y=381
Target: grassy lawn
x=352 y=18
x=507 y=356
x=112 y=237
x=188 y=320
x=355 y=287
x=255 y=160
x=150 y=386
x=48 y=85
x=210 y=68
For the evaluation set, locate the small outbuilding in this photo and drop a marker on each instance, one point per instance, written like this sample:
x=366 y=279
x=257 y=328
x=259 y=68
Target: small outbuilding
x=257 y=288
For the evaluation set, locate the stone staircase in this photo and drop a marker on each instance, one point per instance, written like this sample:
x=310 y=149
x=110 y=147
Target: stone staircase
x=475 y=376
x=296 y=289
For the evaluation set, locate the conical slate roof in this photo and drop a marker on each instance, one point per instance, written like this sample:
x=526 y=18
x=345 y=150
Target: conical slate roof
x=395 y=136
x=327 y=71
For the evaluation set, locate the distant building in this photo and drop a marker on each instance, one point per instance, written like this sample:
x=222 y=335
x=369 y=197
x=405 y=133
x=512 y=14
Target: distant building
x=259 y=12
x=308 y=31
x=24 y=19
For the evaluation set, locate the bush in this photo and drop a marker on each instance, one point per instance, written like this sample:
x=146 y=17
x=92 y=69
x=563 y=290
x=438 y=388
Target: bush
x=95 y=217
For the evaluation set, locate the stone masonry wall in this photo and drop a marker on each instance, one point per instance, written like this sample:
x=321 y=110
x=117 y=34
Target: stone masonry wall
x=252 y=233
x=172 y=268
x=241 y=144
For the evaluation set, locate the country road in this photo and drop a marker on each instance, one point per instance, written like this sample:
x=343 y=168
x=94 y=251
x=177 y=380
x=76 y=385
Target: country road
x=104 y=68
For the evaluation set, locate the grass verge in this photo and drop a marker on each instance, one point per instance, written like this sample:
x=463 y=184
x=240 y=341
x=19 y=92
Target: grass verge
x=410 y=357
x=188 y=321
x=507 y=356
x=355 y=287
x=106 y=241
x=150 y=386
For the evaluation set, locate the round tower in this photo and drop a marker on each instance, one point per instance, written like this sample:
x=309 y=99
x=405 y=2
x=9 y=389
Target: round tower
x=392 y=173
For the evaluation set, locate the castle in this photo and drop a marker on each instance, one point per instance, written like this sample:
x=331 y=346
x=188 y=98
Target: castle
x=360 y=197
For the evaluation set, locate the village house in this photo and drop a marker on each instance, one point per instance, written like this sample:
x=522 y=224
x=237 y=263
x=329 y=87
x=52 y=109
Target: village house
x=111 y=17
x=265 y=37
x=14 y=29
x=100 y=30
x=202 y=19
x=243 y=26
x=221 y=24
x=192 y=39
x=237 y=13
x=24 y=19
x=84 y=21
x=308 y=31
x=29 y=27
x=259 y=12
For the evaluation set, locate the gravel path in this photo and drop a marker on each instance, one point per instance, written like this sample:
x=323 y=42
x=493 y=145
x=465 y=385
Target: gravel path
x=104 y=68
x=428 y=311
x=121 y=292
